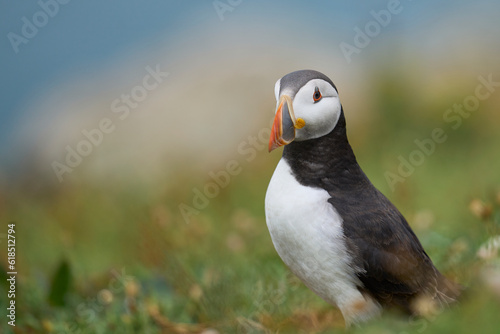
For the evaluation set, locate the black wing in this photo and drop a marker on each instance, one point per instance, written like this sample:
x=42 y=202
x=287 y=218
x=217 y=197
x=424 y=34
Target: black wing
x=394 y=267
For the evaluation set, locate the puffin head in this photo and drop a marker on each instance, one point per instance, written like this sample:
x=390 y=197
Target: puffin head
x=308 y=107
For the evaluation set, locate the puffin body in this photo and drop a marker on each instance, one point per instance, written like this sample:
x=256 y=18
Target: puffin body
x=334 y=230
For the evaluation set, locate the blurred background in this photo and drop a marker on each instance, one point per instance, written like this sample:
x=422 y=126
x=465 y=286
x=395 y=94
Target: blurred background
x=134 y=162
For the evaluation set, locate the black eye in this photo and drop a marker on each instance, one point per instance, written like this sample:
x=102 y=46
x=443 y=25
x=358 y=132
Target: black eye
x=317 y=95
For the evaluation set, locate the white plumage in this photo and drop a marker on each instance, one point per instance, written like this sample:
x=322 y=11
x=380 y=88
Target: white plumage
x=307 y=234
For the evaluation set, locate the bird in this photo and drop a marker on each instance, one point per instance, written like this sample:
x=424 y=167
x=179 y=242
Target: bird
x=329 y=224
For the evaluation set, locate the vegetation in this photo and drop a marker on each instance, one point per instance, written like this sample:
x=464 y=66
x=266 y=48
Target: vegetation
x=119 y=257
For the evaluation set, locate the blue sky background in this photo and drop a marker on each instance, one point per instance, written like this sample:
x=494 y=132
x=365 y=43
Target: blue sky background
x=87 y=36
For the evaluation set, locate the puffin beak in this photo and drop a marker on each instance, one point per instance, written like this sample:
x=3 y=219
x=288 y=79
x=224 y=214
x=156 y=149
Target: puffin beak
x=284 y=125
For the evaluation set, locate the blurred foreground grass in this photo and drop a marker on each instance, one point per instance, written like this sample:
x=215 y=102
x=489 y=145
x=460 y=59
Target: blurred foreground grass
x=118 y=257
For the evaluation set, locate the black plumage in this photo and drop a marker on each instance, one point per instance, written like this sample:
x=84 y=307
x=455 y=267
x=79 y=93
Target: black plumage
x=295 y=80
x=391 y=262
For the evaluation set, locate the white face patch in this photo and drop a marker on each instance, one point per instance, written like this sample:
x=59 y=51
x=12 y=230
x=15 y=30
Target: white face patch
x=320 y=116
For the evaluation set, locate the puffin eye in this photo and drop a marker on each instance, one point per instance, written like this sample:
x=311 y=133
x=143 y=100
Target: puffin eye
x=317 y=95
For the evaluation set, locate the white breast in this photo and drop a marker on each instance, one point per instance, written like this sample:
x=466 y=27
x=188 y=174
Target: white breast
x=307 y=233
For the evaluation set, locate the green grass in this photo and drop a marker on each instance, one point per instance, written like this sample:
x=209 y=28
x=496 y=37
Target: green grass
x=119 y=257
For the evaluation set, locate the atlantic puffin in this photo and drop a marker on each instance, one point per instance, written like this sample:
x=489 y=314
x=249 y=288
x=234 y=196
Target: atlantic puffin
x=329 y=224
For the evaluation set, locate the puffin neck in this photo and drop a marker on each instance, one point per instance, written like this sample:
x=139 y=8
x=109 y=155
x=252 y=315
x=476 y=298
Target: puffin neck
x=329 y=157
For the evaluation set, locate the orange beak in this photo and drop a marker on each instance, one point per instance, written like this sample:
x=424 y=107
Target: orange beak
x=284 y=125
